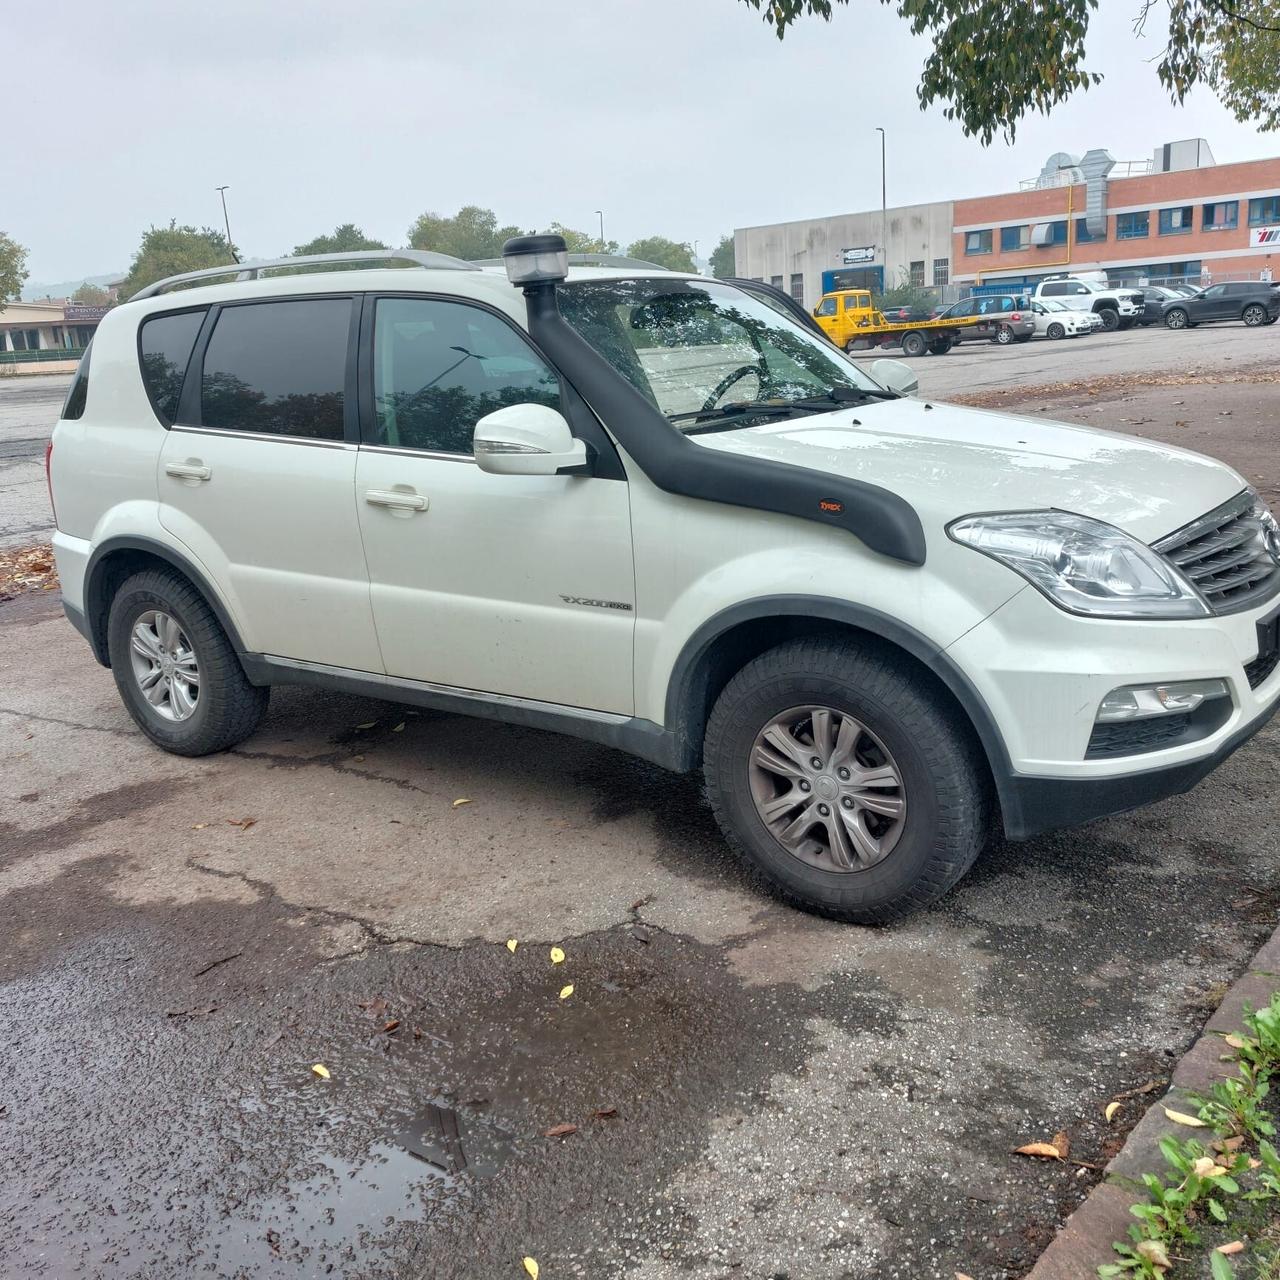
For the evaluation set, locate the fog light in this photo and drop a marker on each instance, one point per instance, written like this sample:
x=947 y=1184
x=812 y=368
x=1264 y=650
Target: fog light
x=536 y=259
x=1142 y=701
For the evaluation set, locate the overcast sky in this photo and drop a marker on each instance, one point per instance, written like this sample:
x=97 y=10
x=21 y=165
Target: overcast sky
x=683 y=118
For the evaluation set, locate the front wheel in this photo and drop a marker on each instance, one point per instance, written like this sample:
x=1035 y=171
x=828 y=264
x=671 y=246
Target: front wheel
x=1110 y=318
x=848 y=785
x=1055 y=331
x=177 y=674
x=1176 y=319
x=914 y=344
x=1254 y=315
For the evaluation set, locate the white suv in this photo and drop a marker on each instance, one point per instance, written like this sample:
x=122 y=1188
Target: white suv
x=650 y=510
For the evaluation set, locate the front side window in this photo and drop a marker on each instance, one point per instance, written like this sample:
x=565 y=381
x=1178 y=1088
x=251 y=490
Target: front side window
x=278 y=368
x=1175 y=222
x=439 y=367
x=827 y=307
x=1222 y=216
x=977 y=242
x=689 y=345
x=165 y=343
x=1132 y=226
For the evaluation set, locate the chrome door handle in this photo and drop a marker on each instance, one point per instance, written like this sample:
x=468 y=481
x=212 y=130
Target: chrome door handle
x=193 y=471
x=397 y=498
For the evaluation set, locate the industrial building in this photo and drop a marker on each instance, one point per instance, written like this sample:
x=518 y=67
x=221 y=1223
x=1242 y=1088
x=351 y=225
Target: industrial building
x=1177 y=216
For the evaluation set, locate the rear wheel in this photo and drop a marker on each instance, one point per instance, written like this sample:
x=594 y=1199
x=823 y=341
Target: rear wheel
x=939 y=346
x=1176 y=319
x=1003 y=335
x=1110 y=318
x=177 y=673
x=914 y=343
x=851 y=788
x=1254 y=314
x=1055 y=331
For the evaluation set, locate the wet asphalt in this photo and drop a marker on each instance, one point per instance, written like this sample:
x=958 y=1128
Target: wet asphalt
x=756 y=1093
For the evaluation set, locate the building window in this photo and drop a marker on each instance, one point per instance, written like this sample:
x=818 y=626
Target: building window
x=1012 y=238
x=1057 y=232
x=1222 y=216
x=977 y=242
x=1264 y=211
x=776 y=281
x=1132 y=226
x=917 y=274
x=797 y=287
x=941 y=272
x=1176 y=222
x=1084 y=235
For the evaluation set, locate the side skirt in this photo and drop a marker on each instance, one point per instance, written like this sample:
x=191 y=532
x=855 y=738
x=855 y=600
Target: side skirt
x=637 y=737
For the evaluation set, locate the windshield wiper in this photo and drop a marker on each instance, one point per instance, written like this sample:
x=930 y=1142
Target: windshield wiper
x=740 y=408
x=841 y=396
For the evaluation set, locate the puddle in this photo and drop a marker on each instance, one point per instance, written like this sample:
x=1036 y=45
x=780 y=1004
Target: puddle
x=453 y=1143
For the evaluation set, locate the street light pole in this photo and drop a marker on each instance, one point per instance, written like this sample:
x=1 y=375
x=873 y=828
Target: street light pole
x=600 y=215
x=222 y=191
x=884 y=216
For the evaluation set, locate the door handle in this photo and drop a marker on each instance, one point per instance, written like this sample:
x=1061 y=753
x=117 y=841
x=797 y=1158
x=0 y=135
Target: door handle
x=192 y=471
x=399 y=499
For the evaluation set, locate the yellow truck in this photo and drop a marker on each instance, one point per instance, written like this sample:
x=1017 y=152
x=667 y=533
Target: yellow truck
x=847 y=317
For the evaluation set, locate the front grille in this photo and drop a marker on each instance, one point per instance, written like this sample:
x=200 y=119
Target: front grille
x=1225 y=555
x=1133 y=737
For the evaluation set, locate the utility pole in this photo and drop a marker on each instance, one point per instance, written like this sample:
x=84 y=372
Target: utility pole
x=222 y=191
x=884 y=216
x=600 y=215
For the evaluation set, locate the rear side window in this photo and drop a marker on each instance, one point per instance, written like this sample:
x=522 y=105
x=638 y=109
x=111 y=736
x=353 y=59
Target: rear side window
x=73 y=408
x=165 y=343
x=278 y=368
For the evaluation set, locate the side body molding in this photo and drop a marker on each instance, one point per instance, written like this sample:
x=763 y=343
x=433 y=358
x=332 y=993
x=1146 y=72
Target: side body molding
x=884 y=521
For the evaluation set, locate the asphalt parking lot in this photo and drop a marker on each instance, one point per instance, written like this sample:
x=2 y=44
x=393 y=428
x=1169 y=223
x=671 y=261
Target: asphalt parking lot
x=756 y=1093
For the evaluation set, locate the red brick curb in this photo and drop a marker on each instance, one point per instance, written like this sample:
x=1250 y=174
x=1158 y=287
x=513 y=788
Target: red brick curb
x=1084 y=1242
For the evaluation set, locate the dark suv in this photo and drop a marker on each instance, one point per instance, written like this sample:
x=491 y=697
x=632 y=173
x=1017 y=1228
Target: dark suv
x=1253 y=301
x=1004 y=318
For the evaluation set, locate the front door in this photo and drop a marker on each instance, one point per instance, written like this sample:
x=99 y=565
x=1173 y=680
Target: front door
x=256 y=475
x=1212 y=304
x=515 y=585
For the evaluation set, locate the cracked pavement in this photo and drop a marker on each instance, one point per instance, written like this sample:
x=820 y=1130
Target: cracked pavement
x=757 y=1093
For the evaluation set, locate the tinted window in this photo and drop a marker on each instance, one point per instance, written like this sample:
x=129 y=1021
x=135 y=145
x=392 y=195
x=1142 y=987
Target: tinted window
x=278 y=367
x=1053 y=290
x=439 y=367
x=165 y=344
x=74 y=406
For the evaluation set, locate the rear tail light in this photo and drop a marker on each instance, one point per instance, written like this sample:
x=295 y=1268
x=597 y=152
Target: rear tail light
x=1017 y=315
x=48 y=478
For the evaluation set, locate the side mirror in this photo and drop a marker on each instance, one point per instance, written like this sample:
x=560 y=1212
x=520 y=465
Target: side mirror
x=895 y=375
x=527 y=440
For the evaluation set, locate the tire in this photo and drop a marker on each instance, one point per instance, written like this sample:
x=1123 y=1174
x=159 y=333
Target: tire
x=1254 y=315
x=1177 y=319
x=940 y=346
x=1003 y=335
x=943 y=824
x=1126 y=322
x=914 y=343
x=225 y=708
x=1110 y=319
x=1055 y=331
x=1272 y=319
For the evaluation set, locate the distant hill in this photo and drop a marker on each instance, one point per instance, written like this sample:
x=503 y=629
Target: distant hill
x=65 y=288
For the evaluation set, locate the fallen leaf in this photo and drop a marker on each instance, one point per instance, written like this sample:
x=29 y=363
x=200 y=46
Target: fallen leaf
x=566 y=992
x=390 y=1026
x=1155 y=1253
x=358 y=759
x=1229 y=1144
x=1062 y=1143
x=1180 y=1117
x=1236 y=1246
x=320 y=1070
x=399 y=728
x=368 y=724
x=243 y=823
x=960 y=1275
x=557 y=956
x=605 y=1113
x=1235 y=1042
x=1044 y=1150
x=378 y=1005
x=531 y=1266
x=1206 y=1167
x=461 y=801
x=1110 y=1112
x=200 y=826
x=560 y=1131
x=512 y=944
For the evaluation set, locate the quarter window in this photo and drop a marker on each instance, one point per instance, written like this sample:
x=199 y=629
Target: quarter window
x=439 y=367
x=164 y=345
x=79 y=393
x=278 y=368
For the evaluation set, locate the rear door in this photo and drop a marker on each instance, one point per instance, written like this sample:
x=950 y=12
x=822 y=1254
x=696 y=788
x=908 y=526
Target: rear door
x=257 y=475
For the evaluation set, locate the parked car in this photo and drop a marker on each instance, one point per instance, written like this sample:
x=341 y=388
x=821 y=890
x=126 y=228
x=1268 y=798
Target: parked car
x=1186 y=290
x=1002 y=318
x=1253 y=301
x=650 y=510
x=1054 y=319
x=1118 y=308
x=1154 y=298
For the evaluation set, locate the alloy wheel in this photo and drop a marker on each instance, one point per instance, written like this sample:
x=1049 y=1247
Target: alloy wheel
x=1254 y=315
x=1176 y=319
x=828 y=790
x=164 y=665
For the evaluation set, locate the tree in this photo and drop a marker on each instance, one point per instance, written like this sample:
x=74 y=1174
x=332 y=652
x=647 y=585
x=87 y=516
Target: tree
x=993 y=61
x=470 y=233
x=347 y=238
x=675 y=256
x=91 y=295
x=722 y=259
x=580 y=241
x=171 y=250
x=13 y=268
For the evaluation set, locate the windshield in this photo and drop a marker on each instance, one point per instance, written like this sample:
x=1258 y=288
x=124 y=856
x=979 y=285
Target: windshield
x=693 y=346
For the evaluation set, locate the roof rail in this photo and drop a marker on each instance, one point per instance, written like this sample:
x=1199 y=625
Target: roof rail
x=251 y=270
x=588 y=260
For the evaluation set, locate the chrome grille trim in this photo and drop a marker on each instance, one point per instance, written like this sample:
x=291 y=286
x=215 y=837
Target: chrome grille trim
x=1224 y=554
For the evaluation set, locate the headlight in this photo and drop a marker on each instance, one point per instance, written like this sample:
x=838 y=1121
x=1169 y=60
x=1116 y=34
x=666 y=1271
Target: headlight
x=1083 y=565
x=1270 y=529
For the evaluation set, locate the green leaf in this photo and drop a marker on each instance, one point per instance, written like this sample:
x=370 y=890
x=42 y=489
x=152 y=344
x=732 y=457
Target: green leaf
x=1215 y=1208
x=1222 y=1268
